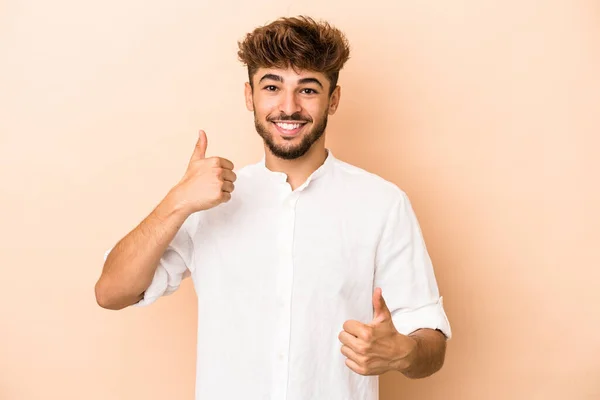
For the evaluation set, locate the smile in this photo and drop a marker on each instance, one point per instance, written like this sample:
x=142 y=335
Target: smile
x=289 y=128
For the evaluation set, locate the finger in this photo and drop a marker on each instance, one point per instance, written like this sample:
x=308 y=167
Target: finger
x=223 y=163
x=227 y=187
x=380 y=309
x=355 y=367
x=228 y=175
x=200 y=149
x=225 y=196
x=354 y=328
x=349 y=340
x=351 y=355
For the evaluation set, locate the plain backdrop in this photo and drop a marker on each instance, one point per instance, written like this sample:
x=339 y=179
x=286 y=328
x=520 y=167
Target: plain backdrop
x=486 y=113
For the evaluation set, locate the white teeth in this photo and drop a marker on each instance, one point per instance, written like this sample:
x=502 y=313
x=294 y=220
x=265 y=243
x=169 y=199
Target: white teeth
x=288 y=127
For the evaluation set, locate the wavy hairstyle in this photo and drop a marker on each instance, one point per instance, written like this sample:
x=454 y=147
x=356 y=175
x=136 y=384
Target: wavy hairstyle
x=297 y=42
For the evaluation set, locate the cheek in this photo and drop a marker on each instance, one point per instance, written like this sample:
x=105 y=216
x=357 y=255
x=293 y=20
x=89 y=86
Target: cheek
x=264 y=109
x=316 y=115
x=317 y=109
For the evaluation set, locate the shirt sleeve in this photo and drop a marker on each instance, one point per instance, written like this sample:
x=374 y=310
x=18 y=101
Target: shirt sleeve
x=405 y=274
x=175 y=264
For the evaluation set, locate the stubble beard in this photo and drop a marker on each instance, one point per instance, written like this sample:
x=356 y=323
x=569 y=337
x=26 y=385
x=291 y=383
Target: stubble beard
x=291 y=152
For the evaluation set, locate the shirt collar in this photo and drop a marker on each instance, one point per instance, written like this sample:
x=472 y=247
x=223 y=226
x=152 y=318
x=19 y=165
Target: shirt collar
x=322 y=170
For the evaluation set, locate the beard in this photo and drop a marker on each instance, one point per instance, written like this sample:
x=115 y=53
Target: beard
x=291 y=152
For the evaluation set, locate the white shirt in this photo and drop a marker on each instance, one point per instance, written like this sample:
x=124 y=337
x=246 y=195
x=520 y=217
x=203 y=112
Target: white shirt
x=277 y=273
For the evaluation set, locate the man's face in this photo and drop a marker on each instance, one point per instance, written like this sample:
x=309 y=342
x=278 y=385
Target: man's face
x=290 y=109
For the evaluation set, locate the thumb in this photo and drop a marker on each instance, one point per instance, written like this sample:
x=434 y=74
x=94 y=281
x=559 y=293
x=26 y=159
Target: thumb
x=200 y=149
x=380 y=309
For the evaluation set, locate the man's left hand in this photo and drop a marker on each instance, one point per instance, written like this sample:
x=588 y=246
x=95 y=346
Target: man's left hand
x=377 y=347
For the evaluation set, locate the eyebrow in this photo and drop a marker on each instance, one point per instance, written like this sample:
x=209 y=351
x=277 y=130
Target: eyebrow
x=309 y=80
x=272 y=77
x=280 y=79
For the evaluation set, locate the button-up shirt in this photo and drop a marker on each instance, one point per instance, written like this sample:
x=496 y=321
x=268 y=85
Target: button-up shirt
x=278 y=271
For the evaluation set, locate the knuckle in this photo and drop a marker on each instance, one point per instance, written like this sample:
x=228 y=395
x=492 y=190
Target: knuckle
x=361 y=348
x=367 y=335
x=215 y=162
x=360 y=361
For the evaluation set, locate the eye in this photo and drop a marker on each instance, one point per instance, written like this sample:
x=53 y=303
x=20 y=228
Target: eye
x=309 y=91
x=270 y=88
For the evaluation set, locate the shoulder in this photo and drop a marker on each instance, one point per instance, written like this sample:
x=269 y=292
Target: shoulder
x=367 y=184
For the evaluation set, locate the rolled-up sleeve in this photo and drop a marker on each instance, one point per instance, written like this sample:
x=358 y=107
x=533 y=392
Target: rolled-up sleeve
x=405 y=274
x=174 y=266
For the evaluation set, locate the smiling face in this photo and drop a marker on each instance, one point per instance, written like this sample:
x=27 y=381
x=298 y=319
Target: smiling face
x=290 y=109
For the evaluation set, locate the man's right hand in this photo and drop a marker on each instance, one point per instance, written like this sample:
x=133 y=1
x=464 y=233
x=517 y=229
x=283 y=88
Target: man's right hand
x=207 y=182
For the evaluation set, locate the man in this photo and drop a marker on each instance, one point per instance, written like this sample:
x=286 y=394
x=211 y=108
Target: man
x=292 y=268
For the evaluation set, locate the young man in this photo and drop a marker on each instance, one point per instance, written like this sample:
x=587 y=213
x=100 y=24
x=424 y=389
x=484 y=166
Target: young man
x=291 y=270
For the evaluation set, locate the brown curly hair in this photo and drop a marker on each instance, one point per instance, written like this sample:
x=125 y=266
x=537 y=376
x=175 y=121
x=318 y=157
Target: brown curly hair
x=297 y=42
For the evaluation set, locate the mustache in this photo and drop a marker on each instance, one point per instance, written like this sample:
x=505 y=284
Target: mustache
x=294 y=117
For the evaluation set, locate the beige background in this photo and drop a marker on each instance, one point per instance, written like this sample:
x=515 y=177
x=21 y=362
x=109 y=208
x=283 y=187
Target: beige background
x=484 y=112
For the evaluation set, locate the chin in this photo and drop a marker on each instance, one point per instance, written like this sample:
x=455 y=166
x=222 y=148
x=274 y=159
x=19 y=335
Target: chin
x=288 y=153
x=293 y=146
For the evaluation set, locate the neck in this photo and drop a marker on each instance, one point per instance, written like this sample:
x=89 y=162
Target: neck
x=299 y=169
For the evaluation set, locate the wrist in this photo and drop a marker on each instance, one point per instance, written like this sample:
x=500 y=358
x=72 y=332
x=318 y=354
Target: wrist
x=173 y=206
x=408 y=349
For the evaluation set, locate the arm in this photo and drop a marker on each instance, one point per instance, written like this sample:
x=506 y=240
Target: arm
x=409 y=330
x=428 y=354
x=131 y=264
x=405 y=273
x=378 y=347
x=155 y=256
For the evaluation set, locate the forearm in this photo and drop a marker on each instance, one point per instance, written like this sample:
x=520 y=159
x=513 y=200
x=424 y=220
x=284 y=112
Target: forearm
x=428 y=355
x=130 y=266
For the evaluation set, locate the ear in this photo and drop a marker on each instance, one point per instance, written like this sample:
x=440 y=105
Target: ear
x=248 y=95
x=334 y=100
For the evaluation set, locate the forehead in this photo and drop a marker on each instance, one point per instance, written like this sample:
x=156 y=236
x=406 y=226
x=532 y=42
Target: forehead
x=289 y=75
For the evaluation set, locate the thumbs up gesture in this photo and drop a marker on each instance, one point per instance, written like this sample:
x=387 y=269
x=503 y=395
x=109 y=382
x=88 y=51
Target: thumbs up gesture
x=207 y=182
x=377 y=347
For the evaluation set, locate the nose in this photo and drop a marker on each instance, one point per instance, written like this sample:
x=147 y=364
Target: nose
x=289 y=103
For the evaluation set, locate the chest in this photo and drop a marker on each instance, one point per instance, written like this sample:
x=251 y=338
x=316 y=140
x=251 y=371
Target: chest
x=316 y=246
